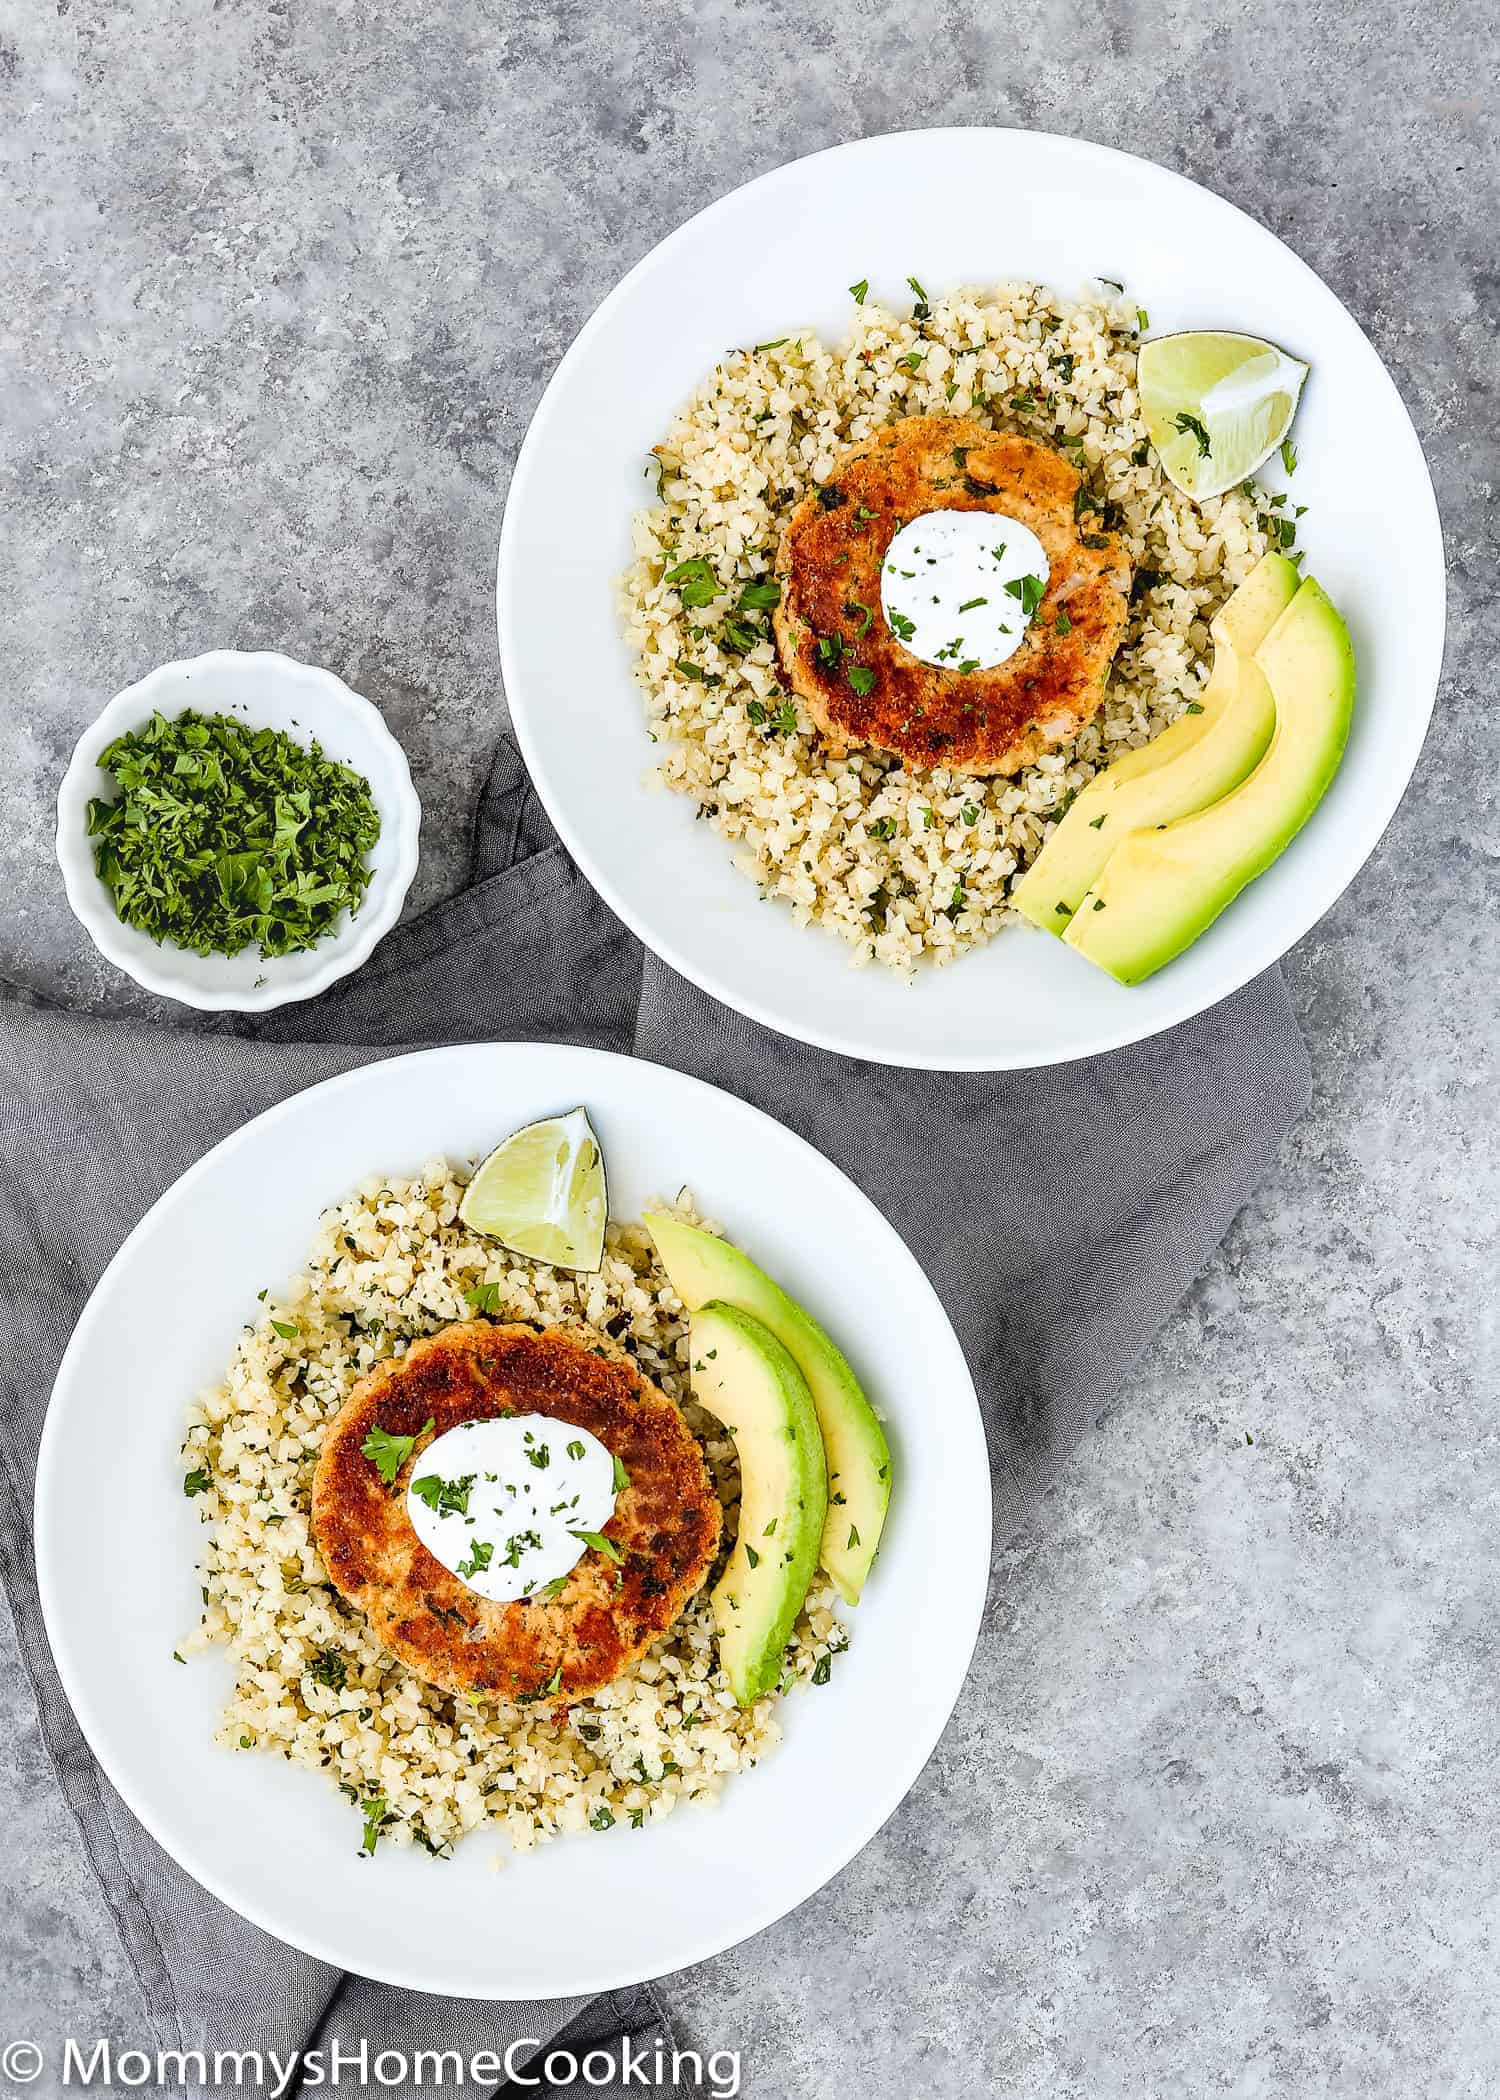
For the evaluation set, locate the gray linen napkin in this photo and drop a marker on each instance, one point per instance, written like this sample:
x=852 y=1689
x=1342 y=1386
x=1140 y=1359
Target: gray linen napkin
x=1061 y=1214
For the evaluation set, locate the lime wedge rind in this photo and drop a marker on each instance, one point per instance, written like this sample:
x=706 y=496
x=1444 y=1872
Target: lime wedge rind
x=543 y=1193
x=1216 y=406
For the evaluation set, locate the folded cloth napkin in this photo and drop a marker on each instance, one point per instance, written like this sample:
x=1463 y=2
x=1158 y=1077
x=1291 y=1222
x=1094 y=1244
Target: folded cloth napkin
x=1060 y=1213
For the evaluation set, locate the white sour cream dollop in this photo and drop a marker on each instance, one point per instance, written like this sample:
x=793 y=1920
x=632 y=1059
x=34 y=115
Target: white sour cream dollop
x=522 y=1486
x=944 y=587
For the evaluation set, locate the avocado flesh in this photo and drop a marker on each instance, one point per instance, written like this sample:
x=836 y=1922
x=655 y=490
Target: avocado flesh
x=702 y=1267
x=1160 y=889
x=1194 y=762
x=743 y=1375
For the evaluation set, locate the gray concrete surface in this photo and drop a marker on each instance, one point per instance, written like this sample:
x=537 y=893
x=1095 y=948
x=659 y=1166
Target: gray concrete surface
x=282 y=279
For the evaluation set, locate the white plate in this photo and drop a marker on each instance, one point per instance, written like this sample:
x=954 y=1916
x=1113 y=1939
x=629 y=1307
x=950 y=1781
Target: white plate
x=949 y=207
x=278 y=1843
x=267 y=691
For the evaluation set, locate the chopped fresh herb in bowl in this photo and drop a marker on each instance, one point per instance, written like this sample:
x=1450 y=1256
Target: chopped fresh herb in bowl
x=224 y=837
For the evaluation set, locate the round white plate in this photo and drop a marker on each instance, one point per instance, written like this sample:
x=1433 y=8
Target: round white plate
x=949 y=207
x=278 y=1843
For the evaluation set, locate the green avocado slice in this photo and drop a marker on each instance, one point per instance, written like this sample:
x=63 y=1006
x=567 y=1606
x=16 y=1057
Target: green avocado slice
x=1202 y=756
x=1160 y=889
x=743 y=1375
x=702 y=1267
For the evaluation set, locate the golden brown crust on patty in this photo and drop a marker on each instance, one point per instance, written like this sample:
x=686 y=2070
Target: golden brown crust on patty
x=830 y=560
x=666 y=1522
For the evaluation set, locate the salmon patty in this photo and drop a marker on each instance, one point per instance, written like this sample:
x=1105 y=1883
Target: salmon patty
x=857 y=680
x=665 y=1526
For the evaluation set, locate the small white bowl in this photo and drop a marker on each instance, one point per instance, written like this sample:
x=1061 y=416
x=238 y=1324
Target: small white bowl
x=268 y=692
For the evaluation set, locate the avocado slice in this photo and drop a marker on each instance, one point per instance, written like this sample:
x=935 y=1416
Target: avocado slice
x=1199 y=758
x=702 y=1267
x=1160 y=889
x=742 y=1374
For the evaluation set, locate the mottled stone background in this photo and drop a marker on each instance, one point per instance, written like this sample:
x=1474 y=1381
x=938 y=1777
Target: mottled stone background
x=280 y=281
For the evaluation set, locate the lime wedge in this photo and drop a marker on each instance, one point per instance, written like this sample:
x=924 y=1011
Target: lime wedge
x=542 y=1193
x=1216 y=406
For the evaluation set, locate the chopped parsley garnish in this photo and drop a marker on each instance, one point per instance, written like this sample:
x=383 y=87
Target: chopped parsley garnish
x=740 y=636
x=601 y=1544
x=830 y=649
x=575 y=1449
x=285 y=1329
x=822 y=1669
x=970 y=603
x=775 y=345
x=450 y=1498
x=861 y=678
x=912 y=360
x=621 y=1479
x=376 y=1815
x=388 y=1453
x=1029 y=589
x=481 y=1553
x=882 y=828
x=603 y=1818
x=198 y=1482
x=1195 y=707
x=752 y=1556
x=1062 y=624
x=922 y=311
x=1191 y=427
x=760 y=597
x=1096 y=823
x=538 y=1455
x=484 y=1297
x=970 y=813
x=329 y=1667
x=1288 y=455
x=224 y=837
x=857 y=291
x=695 y=581
x=901 y=627
x=855 y=606
x=853 y=1536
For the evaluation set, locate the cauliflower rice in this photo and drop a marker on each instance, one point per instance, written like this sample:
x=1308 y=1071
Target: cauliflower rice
x=906 y=864
x=391 y=1263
